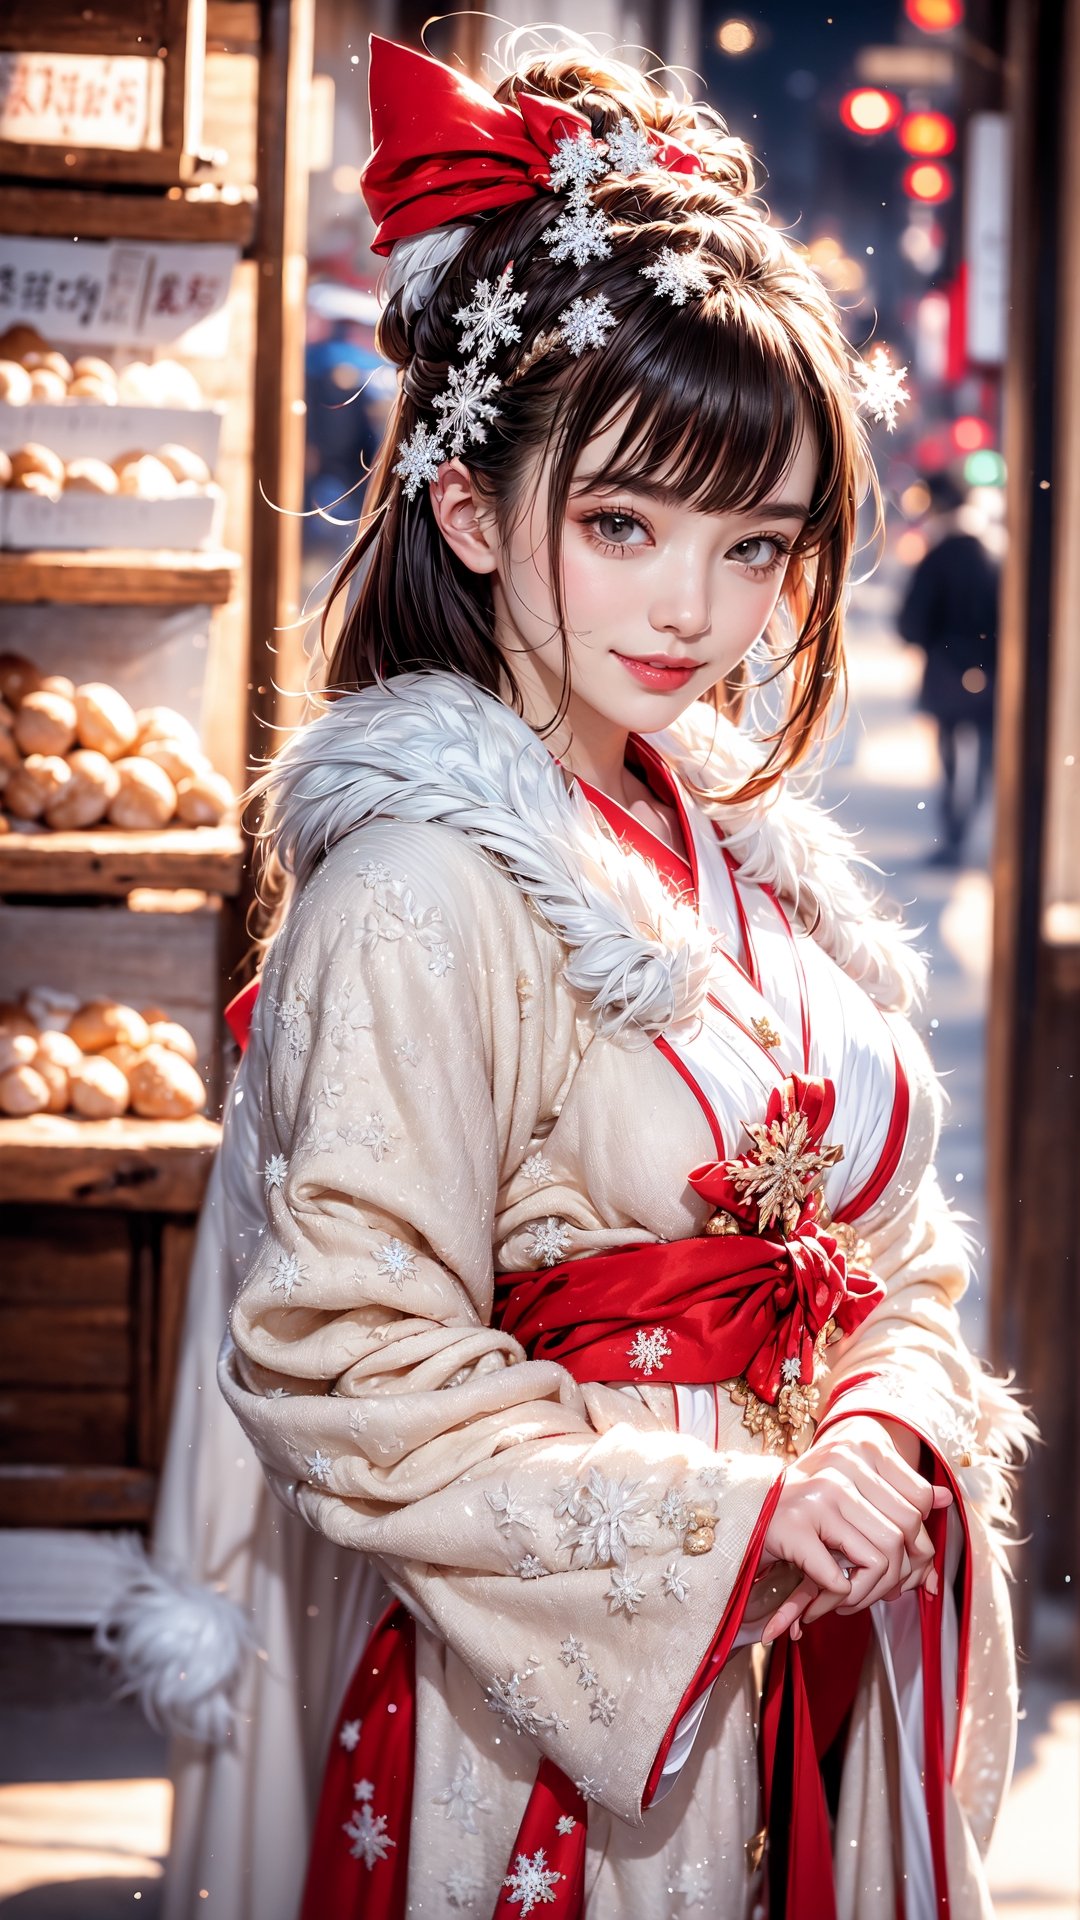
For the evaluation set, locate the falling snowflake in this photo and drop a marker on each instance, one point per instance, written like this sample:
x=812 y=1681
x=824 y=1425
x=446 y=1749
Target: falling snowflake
x=320 y=1467
x=628 y=148
x=625 y=1594
x=608 y=1519
x=649 y=1350
x=396 y=1262
x=677 y=275
x=274 y=1171
x=375 y=1135
x=461 y=1886
x=536 y=1169
x=603 y=1707
x=674 y=1583
x=571 y=1650
x=349 y=1735
x=407 y=1051
x=509 y=1510
x=367 y=1831
x=791 y=1370
x=286 y=1274
x=441 y=960
x=565 y=1823
x=586 y=323
x=693 y=1887
x=462 y=1799
x=467 y=405
x=519 y=1710
x=364 y=1790
x=580 y=234
x=576 y=163
x=530 y=1568
x=671 y=1512
x=532 y=1882
x=488 y=320
x=422 y=454
x=783 y=1169
x=549 y=1239
x=883 y=389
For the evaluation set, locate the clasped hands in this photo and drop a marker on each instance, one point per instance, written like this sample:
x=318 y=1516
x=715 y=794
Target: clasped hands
x=853 y=1500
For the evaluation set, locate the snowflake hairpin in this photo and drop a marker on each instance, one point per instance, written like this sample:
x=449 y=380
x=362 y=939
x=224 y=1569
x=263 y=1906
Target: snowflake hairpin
x=488 y=320
x=467 y=402
x=883 y=389
x=629 y=150
x=585 y=323
x=467 y=405
x=677 y=275
x=422 y=455
x=581 y=233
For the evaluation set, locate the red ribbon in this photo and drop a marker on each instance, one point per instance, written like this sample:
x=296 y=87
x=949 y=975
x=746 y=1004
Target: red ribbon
x=444 y=149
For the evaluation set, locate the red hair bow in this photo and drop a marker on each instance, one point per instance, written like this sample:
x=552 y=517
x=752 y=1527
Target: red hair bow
x=443 y=148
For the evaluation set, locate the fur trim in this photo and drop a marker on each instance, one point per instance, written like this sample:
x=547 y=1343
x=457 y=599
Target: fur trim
x=432 y=746
x=179 y=1647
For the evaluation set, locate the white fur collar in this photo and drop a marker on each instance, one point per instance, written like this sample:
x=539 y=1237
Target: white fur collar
x=432 y=746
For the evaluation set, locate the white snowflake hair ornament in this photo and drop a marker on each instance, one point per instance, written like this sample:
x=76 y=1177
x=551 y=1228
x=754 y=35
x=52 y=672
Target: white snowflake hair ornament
x=882 y=387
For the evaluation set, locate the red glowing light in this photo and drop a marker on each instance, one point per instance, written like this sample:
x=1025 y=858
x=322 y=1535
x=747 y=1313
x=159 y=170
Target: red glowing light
x=934 y=16
x=926 y=181
x=970 y=433
x=927 y=133
x=870 y=110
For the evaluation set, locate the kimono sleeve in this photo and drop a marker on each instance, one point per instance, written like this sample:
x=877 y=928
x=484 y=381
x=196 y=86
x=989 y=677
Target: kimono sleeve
x=403 y=1088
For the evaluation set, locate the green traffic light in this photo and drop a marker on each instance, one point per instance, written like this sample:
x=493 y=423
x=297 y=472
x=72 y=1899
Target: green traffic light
x=985 y=468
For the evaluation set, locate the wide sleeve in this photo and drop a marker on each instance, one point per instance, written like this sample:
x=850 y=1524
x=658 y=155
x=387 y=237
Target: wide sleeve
x=521 y=1519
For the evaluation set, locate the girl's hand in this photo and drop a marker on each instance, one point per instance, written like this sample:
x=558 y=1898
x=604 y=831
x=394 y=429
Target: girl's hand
x=853 y=1497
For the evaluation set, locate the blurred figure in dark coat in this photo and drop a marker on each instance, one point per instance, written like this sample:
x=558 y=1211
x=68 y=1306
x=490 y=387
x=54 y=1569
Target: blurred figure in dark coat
x=950 y=610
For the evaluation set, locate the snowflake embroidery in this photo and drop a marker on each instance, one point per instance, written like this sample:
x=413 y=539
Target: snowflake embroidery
x=603 y=1707
x=588 y=1678
x=674 y=1583
x=565 y=1823
x=319 y=1466
x=364 y=1790
x=407 y=1051
x=346 y=1021
x=783 y=1170
x=536 y=1169
x=671 y=1512
x=277 y=1393
x=367 y=1831
x=488 y=320
x=692 y=1885
x=421 y=457
x=286 y=1274
x=571 y=1650
x=649 y=1350
x=441 y=959
x=588 y=1788
x=461 y=1886
x=580 y=234
x=608 y=1519
x=576 y=163
x=330 y=1094
x=628 y=148
x=509 y=1510
x=467 y=405
x=292 y=1016
x=462 y=1800
x=396 y=1262
x=274 y=1172
x=374 y=873
x=530 y=1568
x=532 y=1882
x=676 y=275
x=549 y=1239
x=625 y=1594
x=375 y=1135
x=882 y=384
x=586 y=323
x=519 y=1710
x=349 y=1735
x=791 y=1370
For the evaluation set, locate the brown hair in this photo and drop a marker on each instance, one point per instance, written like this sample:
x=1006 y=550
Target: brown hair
x=713 y=398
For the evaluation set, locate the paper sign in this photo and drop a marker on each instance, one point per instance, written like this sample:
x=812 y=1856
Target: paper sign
x=81 y=100
x=117 y=292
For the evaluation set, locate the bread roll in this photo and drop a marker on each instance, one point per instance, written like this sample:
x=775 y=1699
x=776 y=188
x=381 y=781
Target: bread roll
x=203 y=799
x=22 y=1090
x=104 y=720
x=146 y=798
x=14 y=383
x=170 y=1034
x=153 y=1014
x=47 y=386
x=122 y=1056
x=175 y=758
x=45 y=723
x=99 y=1091
x=7 y=717
x=184 y=465
x=5 y=468
x=21 y=338
x=14 y=1018
x=137 y=385
x=10 y=758
x=88 y=366
x=98 y=393
x=34 y=458
x=18 y=677
x=86 y=799
x=54 y=360
x=86 y=475
x=39 y=483
x=16 y=1050
x=175 y=385
x=147 y=479
x=58 y=1082
x=37 y=784
x=164 y=723
x=59 y=1049
x=165 y=1087
x=107 y=1023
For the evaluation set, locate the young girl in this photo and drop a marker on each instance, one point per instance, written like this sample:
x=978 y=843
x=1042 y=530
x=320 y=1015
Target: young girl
x=597 y=1303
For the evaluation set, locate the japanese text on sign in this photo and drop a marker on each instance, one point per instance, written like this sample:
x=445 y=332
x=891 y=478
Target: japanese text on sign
x=117 y=292
x=81 y=100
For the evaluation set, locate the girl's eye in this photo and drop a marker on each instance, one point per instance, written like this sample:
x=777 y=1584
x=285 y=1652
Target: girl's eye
x=617 y=529
x=761 y=554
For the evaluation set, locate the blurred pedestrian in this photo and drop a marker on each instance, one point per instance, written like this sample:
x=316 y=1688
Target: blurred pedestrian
x=950 y=610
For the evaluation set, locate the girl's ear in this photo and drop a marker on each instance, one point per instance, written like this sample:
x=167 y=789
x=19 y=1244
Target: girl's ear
x=465 y=519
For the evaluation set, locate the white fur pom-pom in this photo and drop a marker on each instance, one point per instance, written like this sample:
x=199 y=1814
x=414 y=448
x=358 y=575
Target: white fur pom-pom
x=179 y=1648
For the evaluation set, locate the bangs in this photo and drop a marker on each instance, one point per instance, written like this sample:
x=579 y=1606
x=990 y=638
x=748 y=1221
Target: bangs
x=714 y=402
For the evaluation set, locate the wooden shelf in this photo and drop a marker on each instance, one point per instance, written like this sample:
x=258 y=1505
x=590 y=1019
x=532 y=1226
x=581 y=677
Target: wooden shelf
x=64 y=213
x=118 y=577
x=42 y=1496
x=105 y=860
x=151 y=1166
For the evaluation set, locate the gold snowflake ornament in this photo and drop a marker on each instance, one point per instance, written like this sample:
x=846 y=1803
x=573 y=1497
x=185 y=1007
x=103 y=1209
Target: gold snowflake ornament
x=783 y=1171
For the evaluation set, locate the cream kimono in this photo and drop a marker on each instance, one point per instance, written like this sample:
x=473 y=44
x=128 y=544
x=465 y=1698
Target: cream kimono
x=488 y=1040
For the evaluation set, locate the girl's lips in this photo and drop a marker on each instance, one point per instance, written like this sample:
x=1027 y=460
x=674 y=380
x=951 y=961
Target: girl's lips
x=665 y=679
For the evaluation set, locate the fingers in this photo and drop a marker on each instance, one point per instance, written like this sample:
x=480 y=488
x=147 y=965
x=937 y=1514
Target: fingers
x=896 y=1509
x=786 y=1618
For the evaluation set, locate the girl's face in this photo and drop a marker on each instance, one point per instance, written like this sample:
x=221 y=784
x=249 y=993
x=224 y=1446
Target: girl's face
x=645 y=578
